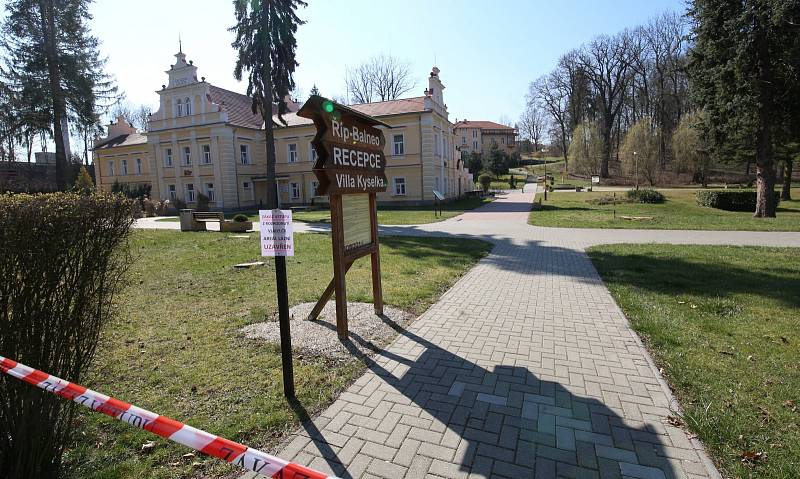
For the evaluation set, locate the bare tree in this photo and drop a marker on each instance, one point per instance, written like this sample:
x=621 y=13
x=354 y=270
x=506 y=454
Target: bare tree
x=533 y=124
x=138 y=116
x=382 y=78
x=554 y=97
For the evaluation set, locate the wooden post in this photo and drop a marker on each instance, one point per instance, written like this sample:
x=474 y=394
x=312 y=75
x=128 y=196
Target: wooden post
x=375 y=256
x=339 y=267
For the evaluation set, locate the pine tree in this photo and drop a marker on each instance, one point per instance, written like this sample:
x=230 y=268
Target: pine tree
x=83 y=183
x=744 y=74
x=54 y=66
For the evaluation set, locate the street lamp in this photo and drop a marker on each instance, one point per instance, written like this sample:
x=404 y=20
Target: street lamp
x=636 y=170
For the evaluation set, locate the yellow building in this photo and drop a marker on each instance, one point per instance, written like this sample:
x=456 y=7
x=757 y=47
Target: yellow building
x=480 y=136
x=204 y=139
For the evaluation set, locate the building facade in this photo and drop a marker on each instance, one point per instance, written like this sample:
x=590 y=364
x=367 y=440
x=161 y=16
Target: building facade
x=480 y=136
x=204 y=139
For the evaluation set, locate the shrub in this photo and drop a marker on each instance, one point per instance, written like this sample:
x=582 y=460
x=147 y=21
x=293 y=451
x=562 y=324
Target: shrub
x=202 y=202
x=179 y=204
x=608 y=200
x=84 y=184
x=62 y=256
x=645 y=195
x=149 y=207
x=730 y=200
x=485 y=181
x=240 y=218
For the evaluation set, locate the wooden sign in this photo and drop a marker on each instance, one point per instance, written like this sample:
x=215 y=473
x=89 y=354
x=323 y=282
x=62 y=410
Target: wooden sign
x=350 y=168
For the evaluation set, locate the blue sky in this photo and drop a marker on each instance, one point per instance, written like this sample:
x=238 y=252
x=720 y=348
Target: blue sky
x=488 y=52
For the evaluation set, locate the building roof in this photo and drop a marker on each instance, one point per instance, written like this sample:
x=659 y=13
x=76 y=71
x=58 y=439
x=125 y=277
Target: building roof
x=377 y=109
x=483 y=125
x=239 y=107
x=122 y=140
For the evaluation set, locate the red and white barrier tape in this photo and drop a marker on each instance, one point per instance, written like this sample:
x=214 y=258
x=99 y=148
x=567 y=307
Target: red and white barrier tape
x=229 y=451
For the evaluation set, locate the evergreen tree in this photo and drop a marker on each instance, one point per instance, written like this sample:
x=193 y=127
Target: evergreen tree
x=84 y=184
x=54 y=66
x=744 y=74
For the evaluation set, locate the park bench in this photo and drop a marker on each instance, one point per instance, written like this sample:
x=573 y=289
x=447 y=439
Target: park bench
x=208 y=216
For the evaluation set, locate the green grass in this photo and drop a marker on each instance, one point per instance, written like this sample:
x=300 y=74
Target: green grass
x=175 y=348
x=680 y=211
x=724 y=324
x=387 y=215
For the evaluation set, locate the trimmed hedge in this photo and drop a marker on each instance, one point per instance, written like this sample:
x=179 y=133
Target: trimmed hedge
x=645 y=195
x=731 y=200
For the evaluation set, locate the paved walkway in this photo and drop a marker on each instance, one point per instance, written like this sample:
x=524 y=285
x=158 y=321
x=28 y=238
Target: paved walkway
x=525 y=368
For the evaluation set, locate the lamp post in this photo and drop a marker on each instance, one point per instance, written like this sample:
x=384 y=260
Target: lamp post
x=636 y=170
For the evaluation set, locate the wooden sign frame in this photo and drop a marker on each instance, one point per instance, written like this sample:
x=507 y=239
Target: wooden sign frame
x=343 y=258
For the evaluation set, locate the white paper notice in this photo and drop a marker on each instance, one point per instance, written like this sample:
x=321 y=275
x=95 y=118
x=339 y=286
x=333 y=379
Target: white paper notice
x=276 y=233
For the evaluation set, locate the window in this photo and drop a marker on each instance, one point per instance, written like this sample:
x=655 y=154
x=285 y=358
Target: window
x=124 y=169
x=138 y=166
x=168 y=157
x=312 y=153
x=474 y=133
x=398 y=142
x=295 y=190
x=206 y=154
x=436 y=144
x=314 y=187
x=399 y=186
x=187 y=156
x=111 y=168
x=188 y=105
x=244 y=154
x=248 y=190
x=292 y=152
x=172 y=194
x=436 y=183
x=463 y=140
x=503 y=140
x=179 y=108
x=189 y=193
x=475 y=144
x=210 y=191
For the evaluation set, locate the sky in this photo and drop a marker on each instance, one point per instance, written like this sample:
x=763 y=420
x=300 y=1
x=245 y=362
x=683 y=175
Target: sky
x=488 y=52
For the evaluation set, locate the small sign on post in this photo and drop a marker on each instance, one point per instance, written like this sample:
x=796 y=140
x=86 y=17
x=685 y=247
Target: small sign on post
x=595 y=179
x=277 y=238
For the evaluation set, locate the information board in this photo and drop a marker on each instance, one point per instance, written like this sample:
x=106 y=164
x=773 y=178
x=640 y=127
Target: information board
x=356 y=221
x=277 y=238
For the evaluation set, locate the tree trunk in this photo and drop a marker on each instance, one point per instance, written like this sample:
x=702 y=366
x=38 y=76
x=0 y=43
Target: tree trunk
x=765 y=170
x=47 y=12
x=606 y=134
x=786 y=191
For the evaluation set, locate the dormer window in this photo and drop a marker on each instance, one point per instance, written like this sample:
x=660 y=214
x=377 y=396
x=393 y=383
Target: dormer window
x=179 y=108
x=188 y=106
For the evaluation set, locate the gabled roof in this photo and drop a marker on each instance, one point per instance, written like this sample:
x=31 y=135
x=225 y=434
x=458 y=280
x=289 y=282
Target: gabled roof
x=376 y=109
x=122 y=140
x=483 y=125
x=239 y=107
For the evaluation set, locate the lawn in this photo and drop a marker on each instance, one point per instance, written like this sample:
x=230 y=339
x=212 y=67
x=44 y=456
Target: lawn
x=724 y=324
x=680 y=211
x=175 y=347
x=387 y=215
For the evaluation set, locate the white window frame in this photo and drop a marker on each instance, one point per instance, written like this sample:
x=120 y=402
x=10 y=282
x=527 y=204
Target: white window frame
x=111 y=168
x=209 y=191
x=312 y=153
x=168 y=157
x=474 y=133
x=475 y=144
x=186 y=156
x=437 y=145
x=395 y=185
x=244 y=154
x=294 y=190
x=172 y=192
x=399 y=147
x=138 y=166
x=123 y=169
x=179 y=107
x=189 y=193
x=291 y=155
x=206 y=153
x=463 y=140
x=188 y=105
x=314 y=188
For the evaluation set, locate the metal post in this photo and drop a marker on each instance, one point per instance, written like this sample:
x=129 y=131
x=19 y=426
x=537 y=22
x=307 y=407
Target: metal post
x=272 y=203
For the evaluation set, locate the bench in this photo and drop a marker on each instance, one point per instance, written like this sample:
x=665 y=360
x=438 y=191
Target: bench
x=208 y=216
